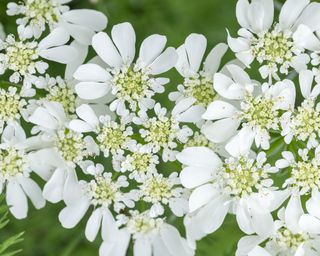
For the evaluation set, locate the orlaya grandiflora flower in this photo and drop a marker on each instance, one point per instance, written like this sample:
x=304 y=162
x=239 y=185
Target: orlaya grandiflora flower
x=133 y=83
x=303 y=124
x=151 y=236
x=24 y=58
x=198 y=82
x=257 y=108
x=303 y=170
x=159 y=191
x=164 y=131
x=37 y=14
x=62 y=149
x=273 y=45
x=238 y=185
x=15 y=170
x=102 y=192
x=290 y=236
x=113 y=137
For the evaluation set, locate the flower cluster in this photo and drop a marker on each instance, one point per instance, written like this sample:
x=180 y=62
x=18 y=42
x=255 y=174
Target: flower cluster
x=108 y=146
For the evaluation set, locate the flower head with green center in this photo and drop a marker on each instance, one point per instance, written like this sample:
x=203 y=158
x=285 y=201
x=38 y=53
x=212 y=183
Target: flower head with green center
x=142 y=223
x=304 y=172
x=63 y=94
x=13 y=163
x=131 y=86
x=242 y=176
x=21 y=57
x=303 y=124
x=71 y=146
x=159 y=190
x=37 y=14
x=289 y=241
x=200 y=88
x=11 y=105
x=140 y=162
x=113 y=137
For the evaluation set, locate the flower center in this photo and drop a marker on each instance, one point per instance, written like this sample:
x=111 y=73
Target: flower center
x=140 y=162
x=63 y=95
x=112 y=137
x=199 y=140
x=306 y=175
x=160 y=131
x=12 y=163
x=130 y=85
x=275 y=47
x=241 y=176
x=201 y=89
x=142 y=224
x=21 y=56
x=306 y=122
x=71 y=146
x=39 y=10
x=285 y=238
x=259 y=112
x=10 y=105
x=103 y=191
x=157 y=189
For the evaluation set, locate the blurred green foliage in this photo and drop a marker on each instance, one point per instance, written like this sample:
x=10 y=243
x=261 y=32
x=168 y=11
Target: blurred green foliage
x=176 y=19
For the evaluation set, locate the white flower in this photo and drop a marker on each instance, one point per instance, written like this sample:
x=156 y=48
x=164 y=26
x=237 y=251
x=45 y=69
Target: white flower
x=258 y=109
x=150 y=237
x=15 y=170
x=273 y=45
x=240 y=185
x=112 y=137
x=23 y=58
x=140 y=162
x=102 y=193
x=303 y=123
x=163 y=132
x=133 y=83
x=80 y=24
x=62 y=148
x=288 y=237
x=303 y=171
x=198 y=82
x=159 y=190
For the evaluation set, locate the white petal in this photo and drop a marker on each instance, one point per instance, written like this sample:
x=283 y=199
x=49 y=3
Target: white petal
x=201 y=196
x=310 y=224
x=306 y=79
x=91 y=73
x=16 y=200
x=195 y=46
x=242 y=10
x=86 y=113
x=164 y=62
x=218 y=110
x=42 y=118
x=58 y=36
x=313 y=204
x=192 y=177
x=247 y=244
x=53 y=189
x=124 y=37
x=91 y=90
x=142 y=247
x=71 y=215
x=221 y=130
x=92 y=19
x=227 y=88
x=109 y=226
x=293 y=212
x=61 y=54
x=150 y=49
x=243 y=219
x=93 y=225
x=106 y=50
x=241 y=143
x=310 y=16
x=259 y=251
x=305 y=38
x=33 y=191
x=199 y=157
x=81 y=34
x=290 y=11
x=213 y=60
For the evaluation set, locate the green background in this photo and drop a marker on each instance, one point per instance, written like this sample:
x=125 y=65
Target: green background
x=176 y=19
